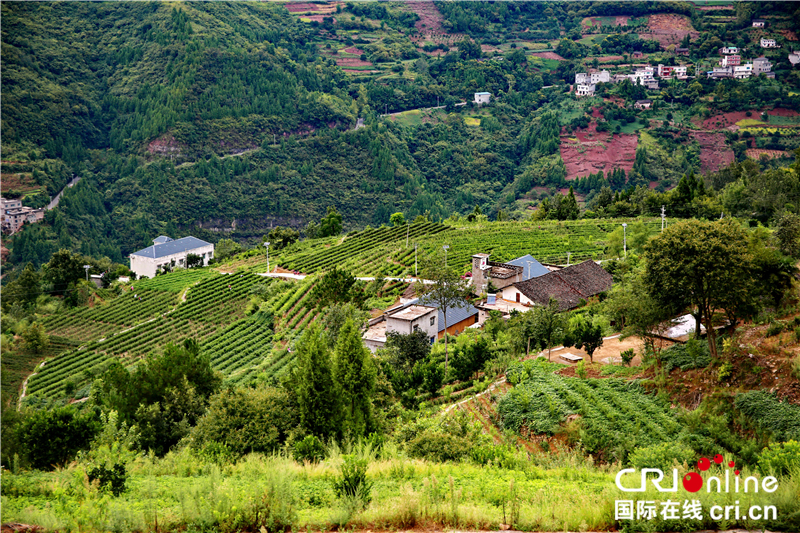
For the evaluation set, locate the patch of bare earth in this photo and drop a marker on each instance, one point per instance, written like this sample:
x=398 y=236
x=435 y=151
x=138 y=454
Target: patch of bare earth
x=548 y=55
x=756 y=153
x=714 y=152
x=352 y=62
x=667 y=29
x=306 y=7
x=789 y=35
x=595 y=151
x=166 y=145
x=21 y=182
x=430 y=19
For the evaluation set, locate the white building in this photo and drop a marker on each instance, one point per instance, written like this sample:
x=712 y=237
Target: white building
x=759 y=23
x=166 y=251
x=794 y=58
x=681 y=72
x=13 y=215
x=405 y=320
x=582 y=78
x=584 y=90
x=743 y=71
x=483 y=98
x=728 y=50
x=768 y=43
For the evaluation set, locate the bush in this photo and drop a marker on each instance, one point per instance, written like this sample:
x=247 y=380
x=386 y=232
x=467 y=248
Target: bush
x=580 y=369
x=309 y=449
x=627 y=356
x=725 y=371
x=110 y=479
x=775 y=328
x=780 y=458
x=52 y=438
x=661 y=455
x=353 y=484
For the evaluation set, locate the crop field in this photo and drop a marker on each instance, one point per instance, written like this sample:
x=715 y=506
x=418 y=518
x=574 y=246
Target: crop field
x=384 y=251
x=614 y=406
x=213 y=313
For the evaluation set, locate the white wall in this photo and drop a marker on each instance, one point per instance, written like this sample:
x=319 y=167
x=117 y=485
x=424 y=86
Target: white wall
x=147 y=266
x=510 y=294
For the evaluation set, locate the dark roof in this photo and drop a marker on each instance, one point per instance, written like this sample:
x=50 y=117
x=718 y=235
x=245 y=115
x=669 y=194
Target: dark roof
x=568 y=285
x=646 y=101
x=540 y=290
x=172 y=247
x=534 y=270
x=454 y=314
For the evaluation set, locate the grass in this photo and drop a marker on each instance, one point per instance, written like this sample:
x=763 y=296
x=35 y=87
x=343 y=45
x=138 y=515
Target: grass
x=589 y=40
x=783 y=121
x=750 y=122
x=472 y=121
x=556 y=491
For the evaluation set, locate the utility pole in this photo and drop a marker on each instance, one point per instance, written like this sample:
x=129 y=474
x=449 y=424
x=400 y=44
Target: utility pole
x=663 y=217
x=86 y=268
x=415 y=260
x=446 y=247
x=625 y=238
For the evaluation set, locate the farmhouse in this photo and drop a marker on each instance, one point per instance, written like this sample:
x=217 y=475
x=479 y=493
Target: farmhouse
x=13 y=215
x=730 y=61
x=759 y=23
x=681 y=51
x=743 y=71
x=665 y=71
x=418 y=314
x=728 y=50
x=643 y=104
x=568 y=286
x=761 y=65
x=168 y=252
x=585 y=90
x=483 y=98
x=769 y=43
x=502 y=275
x=637 y=55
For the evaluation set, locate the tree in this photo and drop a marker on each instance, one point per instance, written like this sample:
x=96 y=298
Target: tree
x=226 y=248
x=338 y=286
x=281 y=237
x=448 y=290
x=331 y=224
x=164 y=396
x=705 y=265
x=36 y=339
x=468 y=49
x=194 y=260
x=62 y=269
x=24 y=290
x=584 y=335
x=397 y=219
x=407 y=350
x=549 y=325
x=788 y=234
x=312 y=384
x=50 y=438
x=354 y=373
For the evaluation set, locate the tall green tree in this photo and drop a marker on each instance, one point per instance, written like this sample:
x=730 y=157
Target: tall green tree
x=550 y=325
x=703 y=265
x=354 y=373
x=447 y=291
x=331 y=224
x=64 y=268
x=24 y=290
x=788 y=234
x=318 y=399
x=338 y=287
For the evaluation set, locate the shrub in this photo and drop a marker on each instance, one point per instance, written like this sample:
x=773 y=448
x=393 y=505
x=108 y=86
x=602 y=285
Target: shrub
x=627 y=356
x=775 y=328
x=725 y=371
x=353 y=484
x=662 y=455
x=110 y=479
x=309 y=449
x=580 y=369
x=780 y=458
x=52 y=438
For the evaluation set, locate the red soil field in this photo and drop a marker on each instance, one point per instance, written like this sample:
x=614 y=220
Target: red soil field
x=548 y=55
x=430 y=20
x=756 y=153
x=352 y=62
x=669 y=29
x=304 y=7
x=725 y=120
x=597 y=151
x=604 y=59
x=353 y=50
x=714 y=153
x=18 y=182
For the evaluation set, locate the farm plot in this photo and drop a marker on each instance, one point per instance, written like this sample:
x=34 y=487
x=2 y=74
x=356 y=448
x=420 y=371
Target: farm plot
x=219 y=299
x=240 y=348
x=612 y=410
x=92 y=323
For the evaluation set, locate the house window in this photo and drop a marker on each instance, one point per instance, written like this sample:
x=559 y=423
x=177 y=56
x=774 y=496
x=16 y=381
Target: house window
x=433 y=339
x=433 y=320
x=518 y=297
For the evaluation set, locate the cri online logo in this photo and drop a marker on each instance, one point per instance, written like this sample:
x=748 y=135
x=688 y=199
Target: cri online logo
x=693 y=482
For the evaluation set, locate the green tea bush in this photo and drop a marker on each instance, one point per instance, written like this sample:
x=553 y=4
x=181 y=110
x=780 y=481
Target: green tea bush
x=693 y=354
x=782 y=419
x=662 y=455
x=780 y=458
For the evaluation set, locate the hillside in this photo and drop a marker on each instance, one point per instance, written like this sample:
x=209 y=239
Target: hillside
x=233 y=118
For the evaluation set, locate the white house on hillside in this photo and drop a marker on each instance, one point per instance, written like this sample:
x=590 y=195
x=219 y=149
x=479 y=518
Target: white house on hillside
x=768 y=43
x=166 y=251
x=483 y=98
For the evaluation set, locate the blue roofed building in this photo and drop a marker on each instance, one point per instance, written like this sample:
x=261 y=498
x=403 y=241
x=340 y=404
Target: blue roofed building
x=531 y=268
x=171 y=252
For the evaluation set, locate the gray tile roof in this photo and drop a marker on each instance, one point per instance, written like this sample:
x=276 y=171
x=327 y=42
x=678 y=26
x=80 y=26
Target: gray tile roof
x=172 y=247
x=535 y=270
x=454 y=314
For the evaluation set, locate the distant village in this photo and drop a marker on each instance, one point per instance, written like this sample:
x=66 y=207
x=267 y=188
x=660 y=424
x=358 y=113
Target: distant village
x=730 y=65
